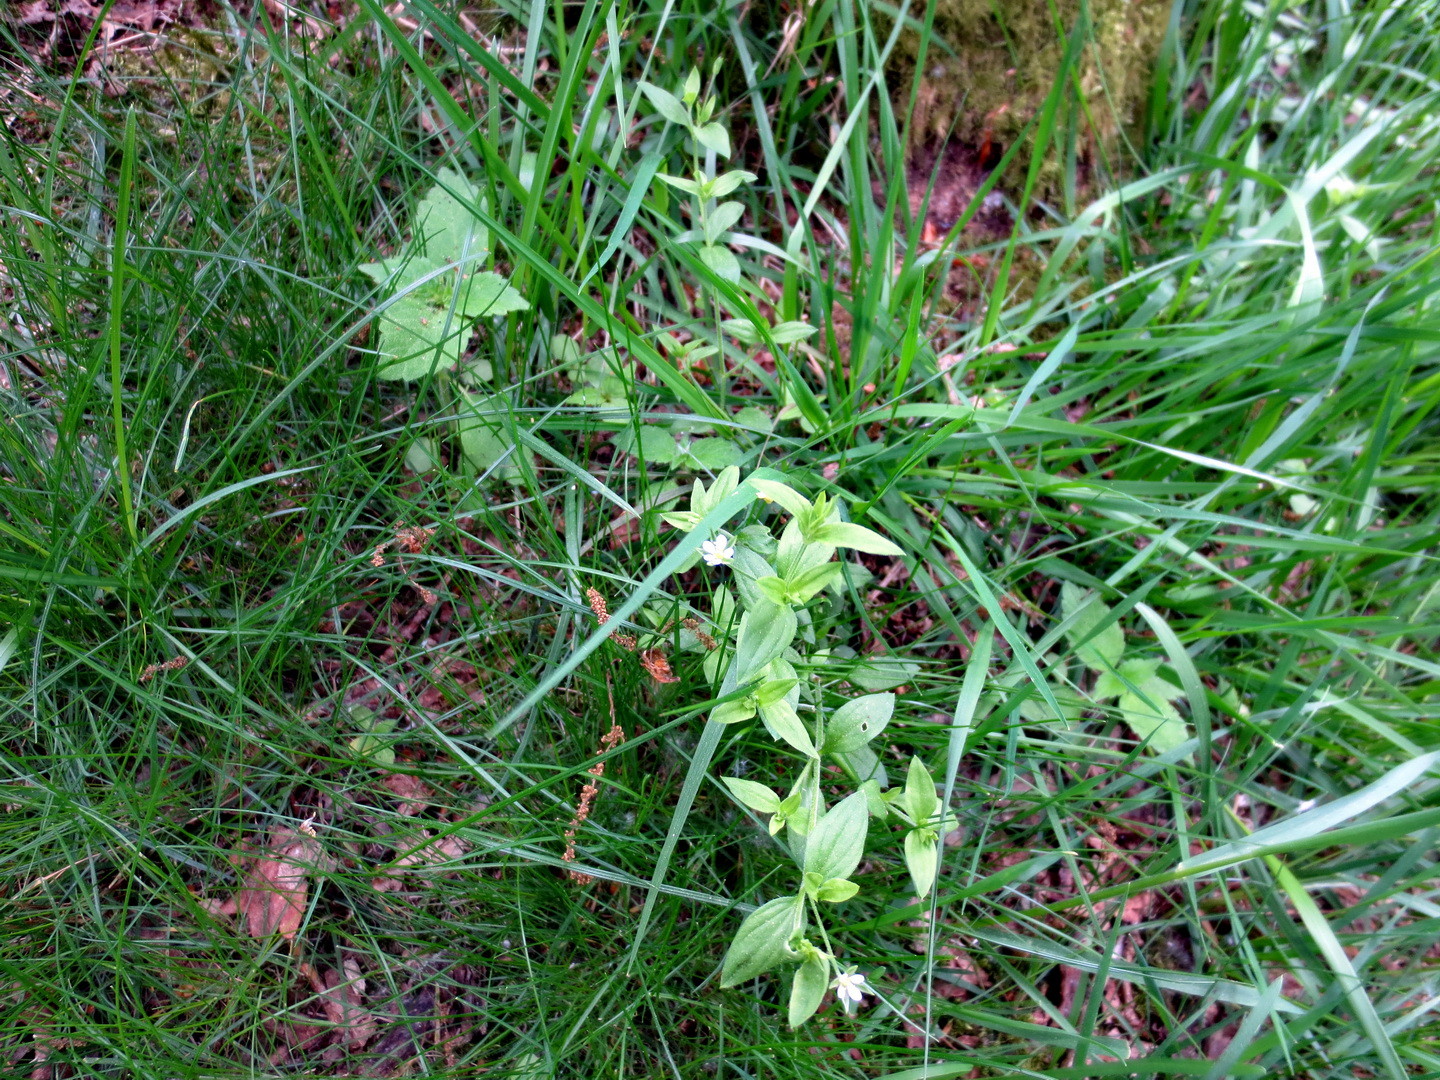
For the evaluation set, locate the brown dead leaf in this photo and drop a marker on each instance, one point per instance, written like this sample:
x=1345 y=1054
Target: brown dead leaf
x=422 y=852
x=342 y=995
x=414 y=792
x=272 y=899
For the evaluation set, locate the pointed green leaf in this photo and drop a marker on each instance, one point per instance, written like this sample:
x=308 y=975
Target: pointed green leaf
x=783 y=494
x=765 y=632
x=784 y=723
x=763 y=940
x=757 y=797
x=666 y=104
x=922 y=858
x=727 y=182
x=787 y=333
x=721 y=260
x=733 y=712
x=848 y=534
x=807 y=988
x=714 y=137
x=920 y=798
x=835 y=845
x=721 y=219
x=802 y=587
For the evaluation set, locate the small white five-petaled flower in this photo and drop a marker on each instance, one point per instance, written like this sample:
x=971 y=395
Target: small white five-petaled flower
x=718 y=552
x=849 y=988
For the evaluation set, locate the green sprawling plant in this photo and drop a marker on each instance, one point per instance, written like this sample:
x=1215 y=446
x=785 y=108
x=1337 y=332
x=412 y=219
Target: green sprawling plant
x=769 y=670
x=1161 y=422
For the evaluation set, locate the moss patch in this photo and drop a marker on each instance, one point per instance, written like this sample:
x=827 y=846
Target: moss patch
x=992 y=64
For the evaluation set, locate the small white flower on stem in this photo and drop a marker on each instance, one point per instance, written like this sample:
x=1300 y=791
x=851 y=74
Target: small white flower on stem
x=849 y=987
x=718 y=552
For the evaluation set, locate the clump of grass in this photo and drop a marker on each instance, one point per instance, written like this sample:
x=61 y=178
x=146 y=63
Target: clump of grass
x=1211 y=405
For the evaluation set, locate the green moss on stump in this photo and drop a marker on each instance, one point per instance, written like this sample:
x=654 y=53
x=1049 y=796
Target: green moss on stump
x=993 y=62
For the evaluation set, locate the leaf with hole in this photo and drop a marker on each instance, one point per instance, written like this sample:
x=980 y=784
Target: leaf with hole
x=857 y=722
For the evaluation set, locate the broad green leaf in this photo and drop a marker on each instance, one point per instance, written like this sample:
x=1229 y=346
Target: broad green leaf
x=1159 y=724
x=714 y=137
x=834 y=847
x=754 y=418
x=722 y=261
x=864 y=765
x=653 y=444
x=725 y=485
x=774 y=589
x=794 y=555
x=922 y=858
x=684 y=520
x=875 y=800
x=763 y=940
x=484 y=442
x=720 y=220
x=920 y=798
x=422 y=456
x=1105 y=648
x=836 y=891
x=857 y=722
x=564 y=350
x=446 y=227
x=488 y=294
x=726 y=183
x=1139 y=674
x=765 y=632
x=807 y=584
x=692 y=86
x=773 y=690
x=714 y=454
x=733 y=712
x=757 y=797
x=748 y=567
x=807 y=988
x=666 y=104
x=429 y=326
x=849 y=535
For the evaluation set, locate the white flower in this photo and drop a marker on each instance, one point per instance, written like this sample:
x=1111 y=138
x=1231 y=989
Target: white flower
x=849 y=988
x=718 y=552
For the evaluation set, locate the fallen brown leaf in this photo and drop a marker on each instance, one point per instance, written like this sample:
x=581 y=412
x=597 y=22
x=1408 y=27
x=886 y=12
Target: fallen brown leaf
x=276 y=885
x=413 y=792
x=342 y=996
